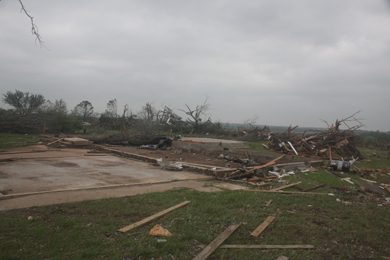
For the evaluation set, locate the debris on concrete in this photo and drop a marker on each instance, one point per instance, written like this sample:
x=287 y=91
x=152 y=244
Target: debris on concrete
x=172 y=167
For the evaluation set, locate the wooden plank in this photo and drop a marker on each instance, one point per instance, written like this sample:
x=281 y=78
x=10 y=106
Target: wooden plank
x=262 y=166
x=314 y=188
x=280 y=157
x=282 y=258
x=267 y=164
x=267 y=246
x=268 y=203
x=263 y=226
x=149 y=219
x=286 y=186
x=208 y=250
x=288 y=192
x=58 y=140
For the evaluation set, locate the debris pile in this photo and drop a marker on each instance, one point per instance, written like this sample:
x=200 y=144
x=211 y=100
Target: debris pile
x=330 y=144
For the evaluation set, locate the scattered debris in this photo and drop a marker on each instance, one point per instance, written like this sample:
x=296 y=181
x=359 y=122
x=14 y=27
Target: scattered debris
x=370 y=187
x=149 y=219
x=330 y=144
x=172 y=167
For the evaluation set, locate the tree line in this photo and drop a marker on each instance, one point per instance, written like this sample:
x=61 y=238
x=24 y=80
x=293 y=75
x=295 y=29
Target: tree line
x=32 y=113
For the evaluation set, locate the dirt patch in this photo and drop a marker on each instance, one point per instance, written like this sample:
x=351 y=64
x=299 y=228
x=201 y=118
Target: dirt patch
x=3 y=175
x=65 y=164
x=30 y=178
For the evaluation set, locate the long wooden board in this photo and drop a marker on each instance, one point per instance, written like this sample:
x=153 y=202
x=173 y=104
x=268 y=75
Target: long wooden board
x=286 y=186
x=288 y=192
x=148 y=219
x=263 y=226
x=208 y=250
x=267 y=246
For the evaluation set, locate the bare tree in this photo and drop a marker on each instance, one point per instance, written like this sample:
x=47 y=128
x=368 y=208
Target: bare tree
x=196 y=114
x=148 y=112
x=34 y=27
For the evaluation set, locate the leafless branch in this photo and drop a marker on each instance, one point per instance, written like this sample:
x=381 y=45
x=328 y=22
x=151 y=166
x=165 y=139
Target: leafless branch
x=34 y=27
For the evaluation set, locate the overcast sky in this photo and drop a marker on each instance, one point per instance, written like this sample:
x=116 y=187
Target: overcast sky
x=286 y=62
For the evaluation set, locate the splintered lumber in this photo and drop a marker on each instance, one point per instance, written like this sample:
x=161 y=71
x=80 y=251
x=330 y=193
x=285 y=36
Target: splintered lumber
x=268 y=203
x=262 y=166
x=286 y=186
x=208 y=250
x=148 y=219
x=263 y=226
x=314 y=188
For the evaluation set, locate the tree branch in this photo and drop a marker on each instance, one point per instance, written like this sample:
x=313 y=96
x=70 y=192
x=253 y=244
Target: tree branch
x=34 y=28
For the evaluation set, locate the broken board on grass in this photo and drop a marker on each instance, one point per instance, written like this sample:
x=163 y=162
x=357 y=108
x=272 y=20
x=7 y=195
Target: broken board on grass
x=286 y=186
x=217 y=242
x=263 y=226
x=149 y=219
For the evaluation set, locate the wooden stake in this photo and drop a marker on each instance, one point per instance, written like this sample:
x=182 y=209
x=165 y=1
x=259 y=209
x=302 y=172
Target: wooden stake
x=149 y=219
x=263 y=226
x=217 y=242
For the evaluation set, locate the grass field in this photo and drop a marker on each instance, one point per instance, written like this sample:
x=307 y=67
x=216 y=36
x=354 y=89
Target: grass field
x=16 y=140
x=352 y=225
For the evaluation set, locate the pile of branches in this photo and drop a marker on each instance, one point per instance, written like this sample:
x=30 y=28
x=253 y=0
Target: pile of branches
x=330 y=144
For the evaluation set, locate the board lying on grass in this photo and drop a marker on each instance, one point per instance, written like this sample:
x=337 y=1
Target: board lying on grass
x=148 y=219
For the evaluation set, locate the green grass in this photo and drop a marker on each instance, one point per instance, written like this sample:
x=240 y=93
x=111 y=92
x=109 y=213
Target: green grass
x=8 y=141
x=258 y=146
x=88 y=230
